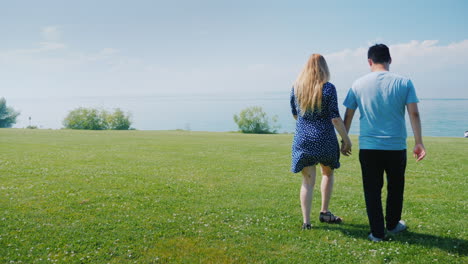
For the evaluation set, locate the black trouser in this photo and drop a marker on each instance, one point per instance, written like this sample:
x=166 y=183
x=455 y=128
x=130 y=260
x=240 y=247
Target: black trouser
x=373 y=165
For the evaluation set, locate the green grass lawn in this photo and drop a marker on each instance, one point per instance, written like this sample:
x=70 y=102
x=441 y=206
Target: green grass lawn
x=199 y=197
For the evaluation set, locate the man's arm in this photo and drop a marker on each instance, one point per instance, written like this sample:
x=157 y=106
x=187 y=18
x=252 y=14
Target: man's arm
x=419 y=152
x=346 y=142
x=349 y=114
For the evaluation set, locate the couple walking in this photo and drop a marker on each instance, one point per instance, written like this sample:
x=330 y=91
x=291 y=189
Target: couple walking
x=381 y=97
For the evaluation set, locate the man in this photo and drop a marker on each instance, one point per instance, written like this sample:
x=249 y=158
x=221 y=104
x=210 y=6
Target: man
x=381 y=97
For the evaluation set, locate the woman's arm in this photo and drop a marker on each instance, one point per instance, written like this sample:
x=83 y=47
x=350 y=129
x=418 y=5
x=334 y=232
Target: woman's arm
x=346 y=141
x=292 y=101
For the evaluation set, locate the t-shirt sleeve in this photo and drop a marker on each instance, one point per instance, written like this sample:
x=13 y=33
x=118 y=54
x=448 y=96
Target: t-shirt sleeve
x=350 y=100
x=411 y=96
x=292 y=100
x=333 y=107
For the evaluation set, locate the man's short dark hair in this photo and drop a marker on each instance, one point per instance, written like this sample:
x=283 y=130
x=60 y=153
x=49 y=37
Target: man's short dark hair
x=379 y=53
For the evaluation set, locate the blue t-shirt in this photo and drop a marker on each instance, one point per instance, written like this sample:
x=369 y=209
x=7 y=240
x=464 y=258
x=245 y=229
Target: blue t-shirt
x=381 y=98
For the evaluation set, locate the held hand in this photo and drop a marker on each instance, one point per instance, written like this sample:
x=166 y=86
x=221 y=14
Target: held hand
x=346 y=148
x=419 y=152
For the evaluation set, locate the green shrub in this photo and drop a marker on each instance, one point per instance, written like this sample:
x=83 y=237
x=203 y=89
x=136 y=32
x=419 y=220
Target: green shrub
x=95 y=119
x=255 y=120
x=7 y=114
x=119 y=120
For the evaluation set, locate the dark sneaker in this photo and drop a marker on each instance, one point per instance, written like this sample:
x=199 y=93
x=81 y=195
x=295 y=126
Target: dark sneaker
x=372 y=238
x=401 y=226
x=306 y=226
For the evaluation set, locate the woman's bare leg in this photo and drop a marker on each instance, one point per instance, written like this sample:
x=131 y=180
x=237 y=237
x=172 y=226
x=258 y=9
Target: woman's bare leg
x=307 y=190
x=326 y=187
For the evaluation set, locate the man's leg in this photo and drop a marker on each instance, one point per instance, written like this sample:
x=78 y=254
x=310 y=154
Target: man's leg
x=372 y=178
x=395 y=170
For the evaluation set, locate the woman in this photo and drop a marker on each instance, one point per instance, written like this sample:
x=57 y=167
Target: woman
x=314 y=106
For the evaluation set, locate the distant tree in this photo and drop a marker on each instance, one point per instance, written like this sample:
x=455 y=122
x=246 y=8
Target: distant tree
x=7 y=114
x=255 y=120
x=85 y=118
x=94 y=119
x=119 y=120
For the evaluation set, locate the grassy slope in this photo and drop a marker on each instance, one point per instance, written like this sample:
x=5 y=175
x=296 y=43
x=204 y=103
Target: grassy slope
x=146 y=196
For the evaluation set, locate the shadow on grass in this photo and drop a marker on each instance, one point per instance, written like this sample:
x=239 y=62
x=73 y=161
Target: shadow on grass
x=452 y=245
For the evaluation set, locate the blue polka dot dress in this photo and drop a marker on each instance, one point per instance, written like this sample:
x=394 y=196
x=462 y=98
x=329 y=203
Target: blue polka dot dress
x=315 y=139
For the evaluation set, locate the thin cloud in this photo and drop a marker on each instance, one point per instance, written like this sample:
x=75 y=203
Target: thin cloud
x=107 y=71
x=405 y=54
x=48 y=46
x=51 y=33
x=109 y=51
x=427 y=62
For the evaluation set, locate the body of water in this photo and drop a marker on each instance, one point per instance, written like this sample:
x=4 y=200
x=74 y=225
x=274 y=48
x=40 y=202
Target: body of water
x=440 y=117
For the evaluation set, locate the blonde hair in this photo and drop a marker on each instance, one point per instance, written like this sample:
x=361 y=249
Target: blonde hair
x=309 y=83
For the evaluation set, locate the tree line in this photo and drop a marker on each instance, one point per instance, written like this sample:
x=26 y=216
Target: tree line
x=250 y=120
x=95 y=119
x=80 y=118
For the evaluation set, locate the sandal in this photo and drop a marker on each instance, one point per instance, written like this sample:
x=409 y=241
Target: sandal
x=306 y=226
x=330 y=218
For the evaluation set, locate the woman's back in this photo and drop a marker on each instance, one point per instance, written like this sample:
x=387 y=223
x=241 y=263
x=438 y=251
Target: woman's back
x=315 y=139
x=317 y=120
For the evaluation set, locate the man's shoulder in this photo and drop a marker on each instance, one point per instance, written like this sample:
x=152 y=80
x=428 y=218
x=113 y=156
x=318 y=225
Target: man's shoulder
x=398 y=76
x=373 y=76
x=399 y=80
x=364 y=79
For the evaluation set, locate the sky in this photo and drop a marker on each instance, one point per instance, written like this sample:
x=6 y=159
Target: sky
x=139 y=48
